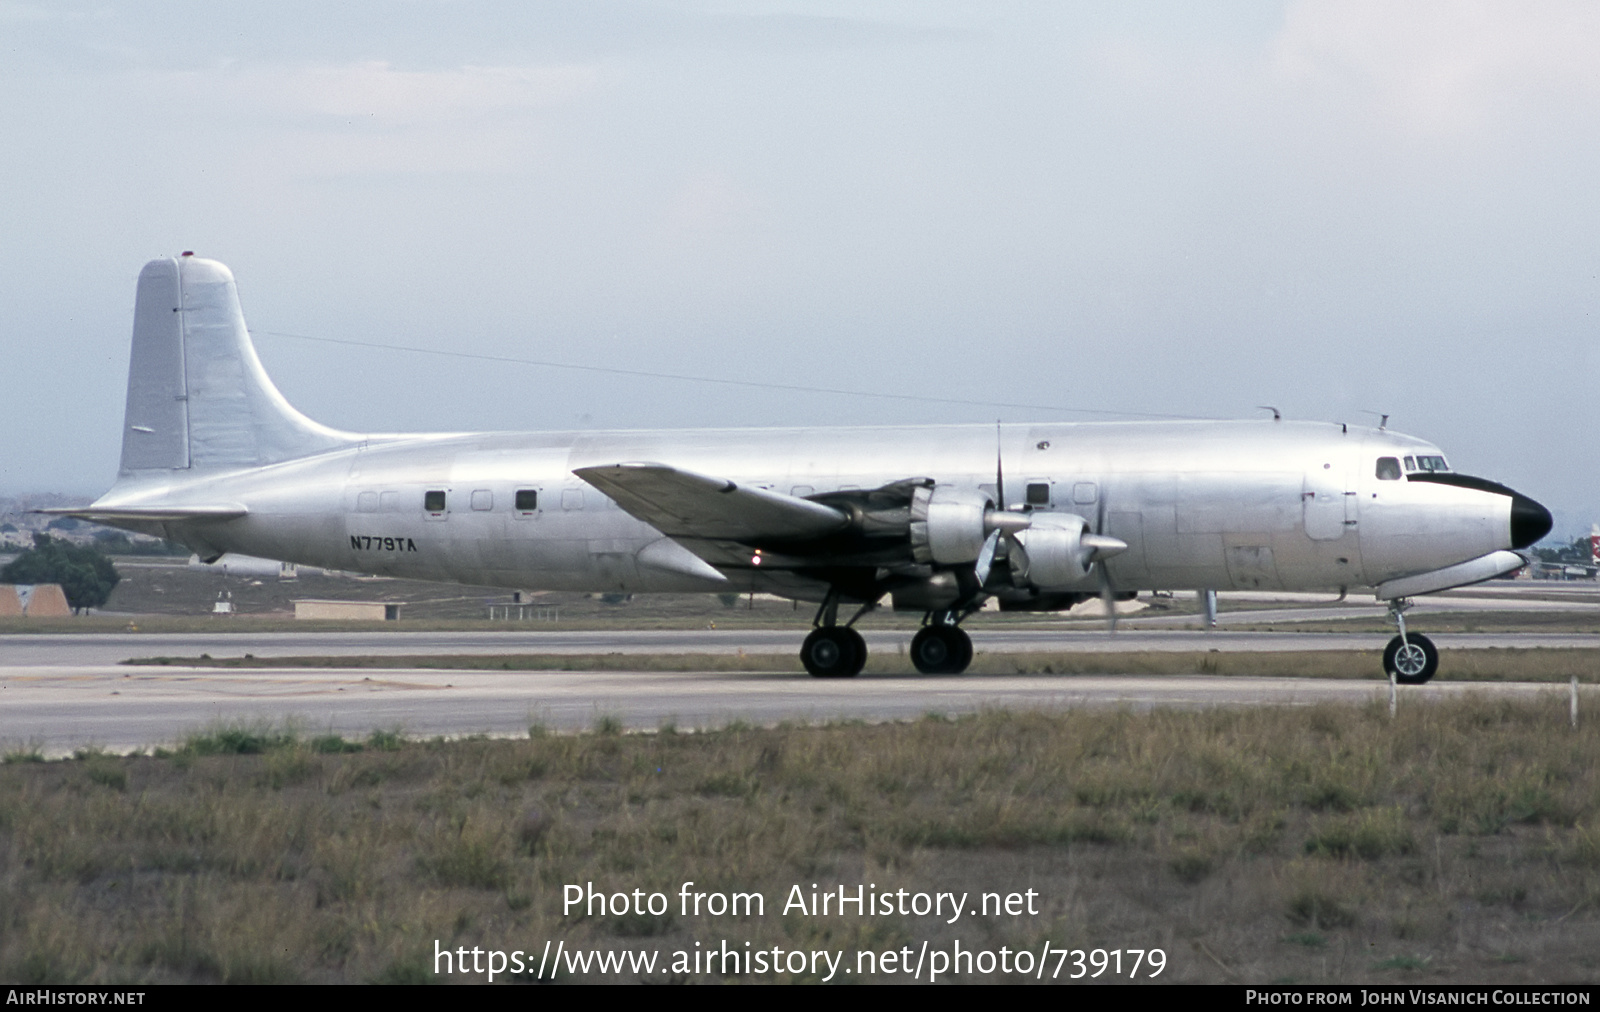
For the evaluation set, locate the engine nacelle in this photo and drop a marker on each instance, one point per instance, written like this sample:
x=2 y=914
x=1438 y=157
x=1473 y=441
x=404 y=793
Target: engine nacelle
x=947 y=523
x=1053 y=551
x=935 y=593
x=1036 y=600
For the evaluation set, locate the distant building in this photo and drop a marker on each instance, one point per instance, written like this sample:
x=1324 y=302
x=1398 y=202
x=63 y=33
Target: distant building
x=34 y=600
x=346 y=611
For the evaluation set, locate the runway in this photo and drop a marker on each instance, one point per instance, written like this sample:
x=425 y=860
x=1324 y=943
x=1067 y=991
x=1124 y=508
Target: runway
x=120 y=709
x=78 y=650
x=61 y=692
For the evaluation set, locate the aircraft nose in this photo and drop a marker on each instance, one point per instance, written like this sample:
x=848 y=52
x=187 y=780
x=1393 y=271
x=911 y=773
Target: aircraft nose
x=1529 y=521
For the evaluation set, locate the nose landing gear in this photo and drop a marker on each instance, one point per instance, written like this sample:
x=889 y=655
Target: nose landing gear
x=1411 y=659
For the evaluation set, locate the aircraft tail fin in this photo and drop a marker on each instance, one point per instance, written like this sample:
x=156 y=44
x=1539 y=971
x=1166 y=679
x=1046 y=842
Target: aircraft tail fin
x=198 y=397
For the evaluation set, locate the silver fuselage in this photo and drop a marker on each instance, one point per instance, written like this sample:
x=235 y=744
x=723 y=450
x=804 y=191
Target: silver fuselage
x=1201 y=505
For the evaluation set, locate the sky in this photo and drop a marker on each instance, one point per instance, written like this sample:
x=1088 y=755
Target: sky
x=1343 y=209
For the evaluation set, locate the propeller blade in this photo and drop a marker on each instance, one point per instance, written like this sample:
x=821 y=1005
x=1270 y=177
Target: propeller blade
x=1017 y=559
x=1108 y=596
x=1104 y=548
x=999 y=472
x=986 y=558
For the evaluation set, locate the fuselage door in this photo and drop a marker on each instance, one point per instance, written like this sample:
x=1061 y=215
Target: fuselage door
x=1328 y=498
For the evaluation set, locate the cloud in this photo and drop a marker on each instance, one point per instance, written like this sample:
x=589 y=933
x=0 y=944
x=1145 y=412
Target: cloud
x=370 y=118
x=1443 y=69
x=712 y=202
x=10 y=10
x=391 y=97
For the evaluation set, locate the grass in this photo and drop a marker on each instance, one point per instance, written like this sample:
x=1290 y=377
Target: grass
x=1318 y=844
x=32 y=752
x=1493 y=664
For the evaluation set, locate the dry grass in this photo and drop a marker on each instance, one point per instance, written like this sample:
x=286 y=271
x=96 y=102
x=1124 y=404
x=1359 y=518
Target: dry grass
x=1495 y=664
x=1460 y=842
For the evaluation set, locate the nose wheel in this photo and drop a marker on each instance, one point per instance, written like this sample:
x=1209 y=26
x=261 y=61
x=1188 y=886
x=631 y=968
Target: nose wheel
x=1411 y=658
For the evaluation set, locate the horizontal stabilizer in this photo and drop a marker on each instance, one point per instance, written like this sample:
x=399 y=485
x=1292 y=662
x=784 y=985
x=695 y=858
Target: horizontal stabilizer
x=150 y=514
x=1484 y=567
x=682 y=504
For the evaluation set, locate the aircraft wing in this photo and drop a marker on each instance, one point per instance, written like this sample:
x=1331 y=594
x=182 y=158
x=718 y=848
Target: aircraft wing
x=685 y=505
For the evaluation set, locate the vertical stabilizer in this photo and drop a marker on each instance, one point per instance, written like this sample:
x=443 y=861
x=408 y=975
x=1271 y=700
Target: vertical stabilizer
x=198 y=397
x=155 y=430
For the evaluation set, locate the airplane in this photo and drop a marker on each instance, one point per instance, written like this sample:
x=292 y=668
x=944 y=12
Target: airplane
x=936 y=519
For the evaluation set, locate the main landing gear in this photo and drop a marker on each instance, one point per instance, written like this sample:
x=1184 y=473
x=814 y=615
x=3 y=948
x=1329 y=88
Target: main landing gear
x=941 y=647
x=1412 y=659
x=833 y=650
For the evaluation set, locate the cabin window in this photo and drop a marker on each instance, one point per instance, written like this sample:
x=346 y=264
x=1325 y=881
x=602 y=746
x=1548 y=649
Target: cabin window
x=433 y=501
x=572 y=499
x=1084 y=492
x=527 y=500
x=1388 y=469
x=801 y=491
x=1038 y=493
x=367 y=502
x=482 y=499
x=389 y=502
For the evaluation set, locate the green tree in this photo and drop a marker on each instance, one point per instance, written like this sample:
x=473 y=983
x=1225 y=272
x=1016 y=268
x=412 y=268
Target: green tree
x=1575 y=551
x=113 y=542
x=86 y=576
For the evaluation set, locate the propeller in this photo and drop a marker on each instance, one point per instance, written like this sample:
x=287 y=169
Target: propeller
x=1001 y=524
x=985 y=562
x=998 y=521
x=999 y=470
x=1108 y=593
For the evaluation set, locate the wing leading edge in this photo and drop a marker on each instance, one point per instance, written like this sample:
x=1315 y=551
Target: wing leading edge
x=696 y=507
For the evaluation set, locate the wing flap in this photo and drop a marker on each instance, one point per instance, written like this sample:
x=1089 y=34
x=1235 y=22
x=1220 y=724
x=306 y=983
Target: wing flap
x=682 y=504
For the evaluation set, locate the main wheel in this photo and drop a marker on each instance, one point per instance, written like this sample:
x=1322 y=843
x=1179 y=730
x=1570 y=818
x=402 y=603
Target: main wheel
x=1411 y=661
x=859 y=646
x=941 y=650
x=833 y=652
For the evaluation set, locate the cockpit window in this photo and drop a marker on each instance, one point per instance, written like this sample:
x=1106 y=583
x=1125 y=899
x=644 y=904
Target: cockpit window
x=1388 y=469
x=1411 y=463
x=1432 y=464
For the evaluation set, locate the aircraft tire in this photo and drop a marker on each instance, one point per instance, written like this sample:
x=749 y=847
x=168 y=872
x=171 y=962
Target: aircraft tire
x=941 y=650
x=859 y=645
x=833 y=652
x=1413 y=661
